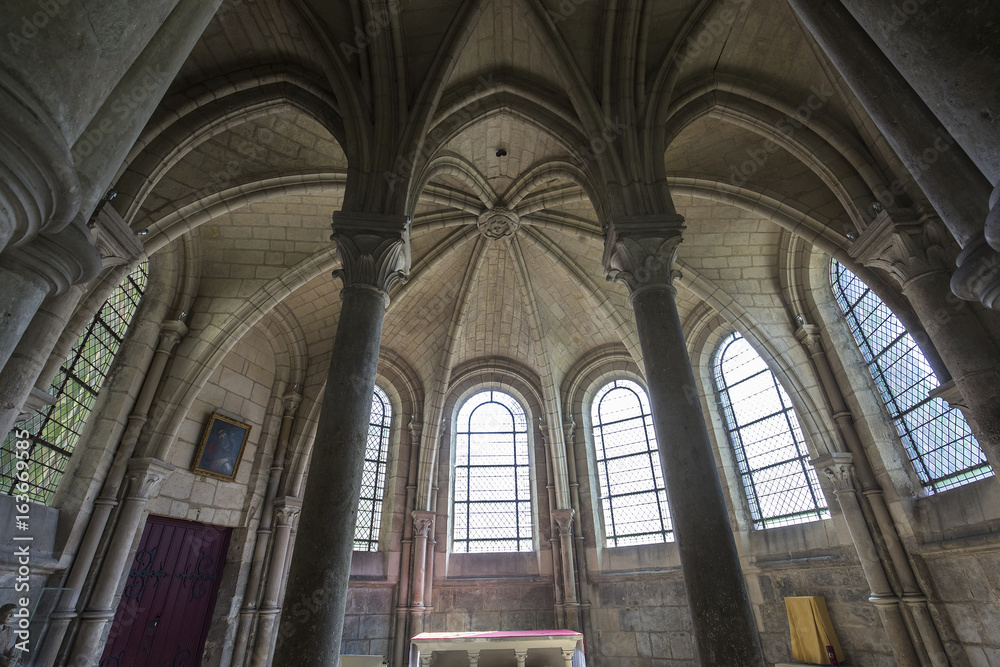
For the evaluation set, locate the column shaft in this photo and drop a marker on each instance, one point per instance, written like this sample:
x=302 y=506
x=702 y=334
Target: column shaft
x=321 y=564
x=264 y=642
x=723 y=622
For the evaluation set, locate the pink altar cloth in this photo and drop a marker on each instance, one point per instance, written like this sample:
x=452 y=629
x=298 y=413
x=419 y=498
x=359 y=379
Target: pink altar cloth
x=524 y=648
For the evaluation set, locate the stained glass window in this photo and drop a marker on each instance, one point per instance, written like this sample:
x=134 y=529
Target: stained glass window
x=780 y=484
x=492 y=506
x=373 y=478
x=938 y=440
x=633 y=495
x=53 y=431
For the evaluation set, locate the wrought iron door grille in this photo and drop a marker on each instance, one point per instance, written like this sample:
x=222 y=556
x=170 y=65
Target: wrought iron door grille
x=781 y=486
x=938 y=441
x=373 y=477
x=633 y=494
x=492 y=499
x=54 y=430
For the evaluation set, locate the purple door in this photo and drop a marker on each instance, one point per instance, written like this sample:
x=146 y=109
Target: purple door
x=165 y=609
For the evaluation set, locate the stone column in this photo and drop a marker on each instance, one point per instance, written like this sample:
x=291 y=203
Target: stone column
x=808 y=335
x=564 y=525
x=143 y=477
x=290 y=404
x=170 y=335
x=915 y=253
x=375 y=254
x=838 y=467
x=402 y=635
x=520 y=656
x=48 y=265
x=473 y=658
x=285 y=511
x=423 y=526
x=640 y=252
x=949 y=179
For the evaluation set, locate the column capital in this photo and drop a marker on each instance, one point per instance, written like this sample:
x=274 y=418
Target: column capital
x=416 y=427
x=543 y=429
x=838 y=467
x=374 y=250
x=60 y=259
x=564 y=520
x=950 y=394
x=569 y=427
x=423 y=522
x=171 y=333
x=290 y=402
x=809 y=336
x=905 y=246
x=145 y=475
x=115 y=241
x=640 y=250
x=286 y=509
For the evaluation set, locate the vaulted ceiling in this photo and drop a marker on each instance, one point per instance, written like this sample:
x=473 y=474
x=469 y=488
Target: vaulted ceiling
x=551 y=114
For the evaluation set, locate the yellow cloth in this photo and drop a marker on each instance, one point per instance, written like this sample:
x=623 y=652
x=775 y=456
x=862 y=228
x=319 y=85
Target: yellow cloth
x=812 y=630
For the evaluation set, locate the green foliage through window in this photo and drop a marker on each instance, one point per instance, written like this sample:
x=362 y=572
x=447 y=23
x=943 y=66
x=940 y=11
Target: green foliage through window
x=54 y=430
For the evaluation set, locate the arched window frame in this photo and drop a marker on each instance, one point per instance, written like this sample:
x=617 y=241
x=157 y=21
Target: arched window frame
x=916 y=415
x=614 y=491
x=756 y=486
x=462 y=539
x=53 y=432
x=372 y=496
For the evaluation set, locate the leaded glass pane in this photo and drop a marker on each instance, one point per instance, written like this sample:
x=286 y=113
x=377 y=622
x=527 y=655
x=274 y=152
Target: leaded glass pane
x=369 y=520
x=492 y=476
x=937 y=439
x=53 y=431
x=633 y=496
x=780 y=485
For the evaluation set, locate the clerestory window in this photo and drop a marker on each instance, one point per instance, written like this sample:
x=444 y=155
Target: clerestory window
x=938 y=441
x=492 y=498
x=633 y=495
x=369 y=520
x=780 y=485
x=53 y=431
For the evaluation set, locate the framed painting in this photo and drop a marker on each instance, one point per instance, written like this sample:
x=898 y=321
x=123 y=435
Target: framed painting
x=221 y=448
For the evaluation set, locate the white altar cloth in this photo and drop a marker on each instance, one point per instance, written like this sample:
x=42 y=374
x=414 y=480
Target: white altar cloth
x=528 y=648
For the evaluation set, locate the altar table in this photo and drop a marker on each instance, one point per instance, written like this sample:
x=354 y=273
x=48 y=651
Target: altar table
x=527 y=648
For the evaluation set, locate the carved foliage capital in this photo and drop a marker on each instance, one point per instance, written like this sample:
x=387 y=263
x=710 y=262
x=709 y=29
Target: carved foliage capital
x=416 y=427
x=171 y=333
x=423 y=522
x=569 y=428
x=286 y=509
x=809 y=336
x=374 y=250
x=906 y=248
x=839 y=469
x=564 y=520
x=640 y=252
x=144 y=477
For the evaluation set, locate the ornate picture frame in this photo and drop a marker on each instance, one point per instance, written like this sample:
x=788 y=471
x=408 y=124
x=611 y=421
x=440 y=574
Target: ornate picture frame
x=221 y=448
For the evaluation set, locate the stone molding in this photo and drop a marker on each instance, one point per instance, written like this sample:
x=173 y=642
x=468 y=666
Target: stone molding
x=145 y=475
x=116 y=243
x=41 y=190
x=60 y=260
x=950 y=394
x=978 y=275
x=640 y=251
x=905 y=247
x=564 y=520
x=423 y=522
x=839 y=468
x=374 y=250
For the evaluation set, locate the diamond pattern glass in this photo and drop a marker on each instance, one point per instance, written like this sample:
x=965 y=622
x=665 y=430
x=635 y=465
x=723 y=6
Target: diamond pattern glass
x=938 y=441
x=492 y=476
x=369 y=521
x=781 y=487
x=633 y=496
x=53 y=431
